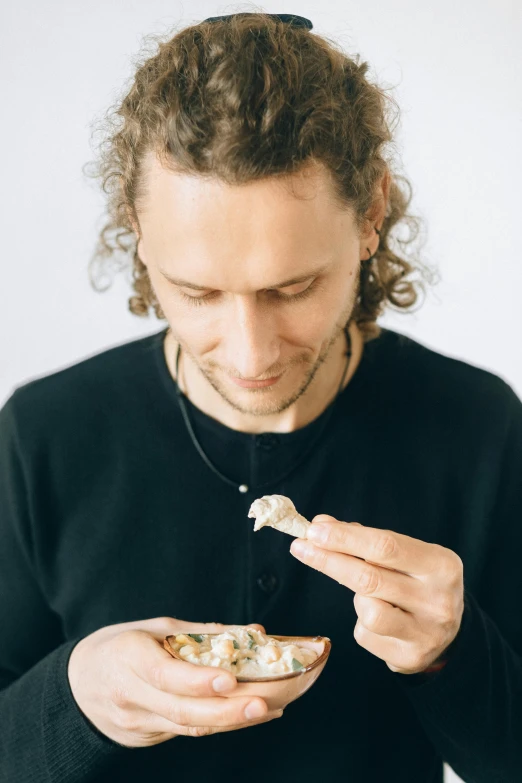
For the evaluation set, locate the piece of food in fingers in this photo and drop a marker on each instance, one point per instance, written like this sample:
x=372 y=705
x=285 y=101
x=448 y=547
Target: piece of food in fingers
x=279 y=512
x=279 y=669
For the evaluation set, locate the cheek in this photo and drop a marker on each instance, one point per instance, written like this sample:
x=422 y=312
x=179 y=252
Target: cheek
x=194 y=330
x=320 y=316
x=188 y=324
x=309 y=327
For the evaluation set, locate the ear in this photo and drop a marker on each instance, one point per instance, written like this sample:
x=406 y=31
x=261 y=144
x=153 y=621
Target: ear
x=130 y=217
x=377 y=212
x=380 y=201
x=385 y=185
x=133 y=223
x=139 y=243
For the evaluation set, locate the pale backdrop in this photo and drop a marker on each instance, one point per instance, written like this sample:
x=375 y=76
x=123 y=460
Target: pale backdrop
x=455 y=69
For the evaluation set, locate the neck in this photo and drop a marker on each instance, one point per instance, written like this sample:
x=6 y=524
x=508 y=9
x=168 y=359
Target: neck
x=320 y=393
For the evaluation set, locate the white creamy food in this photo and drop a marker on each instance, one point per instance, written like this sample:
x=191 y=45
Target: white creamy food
x=278 y=511
x=245 y=652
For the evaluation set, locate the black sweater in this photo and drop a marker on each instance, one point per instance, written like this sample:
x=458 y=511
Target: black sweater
x=107 y=515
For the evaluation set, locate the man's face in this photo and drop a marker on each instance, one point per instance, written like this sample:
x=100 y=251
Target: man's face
x=231 y=254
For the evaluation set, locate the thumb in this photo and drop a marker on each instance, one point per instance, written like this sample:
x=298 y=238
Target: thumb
x=183 y=625
x=160 y=627
x=328 y=518
x=219 y=627
x=324 y=518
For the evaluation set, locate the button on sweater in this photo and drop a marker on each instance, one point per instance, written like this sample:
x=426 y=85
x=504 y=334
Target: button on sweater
x=108 y=514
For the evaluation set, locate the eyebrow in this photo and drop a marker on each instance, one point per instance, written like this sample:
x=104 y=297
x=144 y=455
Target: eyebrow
x=283 y=284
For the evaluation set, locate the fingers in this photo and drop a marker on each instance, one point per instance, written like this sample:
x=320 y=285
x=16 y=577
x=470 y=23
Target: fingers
x=188 y=679
x=213 y=711
x=214 y=627
x=143 y=651
x=267 y=718
x=159 y=627
x=168 y=729
x=156 y=667
x=182 y=625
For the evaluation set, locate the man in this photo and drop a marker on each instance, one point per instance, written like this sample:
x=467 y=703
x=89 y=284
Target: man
x=125 y=482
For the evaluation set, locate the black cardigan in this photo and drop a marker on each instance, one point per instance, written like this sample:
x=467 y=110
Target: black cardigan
x=108 y=514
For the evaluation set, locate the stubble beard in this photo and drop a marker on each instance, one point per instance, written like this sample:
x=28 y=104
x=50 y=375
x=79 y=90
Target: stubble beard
x=267 y=407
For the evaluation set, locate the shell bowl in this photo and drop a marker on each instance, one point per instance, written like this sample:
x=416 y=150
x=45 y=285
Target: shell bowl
x=281 y=689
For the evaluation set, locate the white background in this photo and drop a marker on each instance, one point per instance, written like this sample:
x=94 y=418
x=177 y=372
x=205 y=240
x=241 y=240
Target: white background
x=455 y=70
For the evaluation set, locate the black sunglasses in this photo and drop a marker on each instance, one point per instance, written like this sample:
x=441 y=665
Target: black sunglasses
x=295 y=21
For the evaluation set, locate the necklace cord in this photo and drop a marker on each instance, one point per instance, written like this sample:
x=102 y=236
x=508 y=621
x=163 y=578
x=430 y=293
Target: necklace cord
x=303 y=456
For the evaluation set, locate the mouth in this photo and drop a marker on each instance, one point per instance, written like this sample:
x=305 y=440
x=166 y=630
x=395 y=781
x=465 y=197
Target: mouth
x=256 y=384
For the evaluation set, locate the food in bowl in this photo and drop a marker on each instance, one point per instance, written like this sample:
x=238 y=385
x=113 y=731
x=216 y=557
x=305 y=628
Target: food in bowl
x=279 y=512
x=246 y=652
x=277 y=690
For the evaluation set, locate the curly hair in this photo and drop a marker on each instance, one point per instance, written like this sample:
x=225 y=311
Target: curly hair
x=245 y=99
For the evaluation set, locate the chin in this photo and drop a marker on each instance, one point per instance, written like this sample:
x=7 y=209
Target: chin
x=264 y=401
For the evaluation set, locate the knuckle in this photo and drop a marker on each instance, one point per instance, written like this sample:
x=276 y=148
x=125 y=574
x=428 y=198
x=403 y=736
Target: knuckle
x=440 y=641
x=319 y=559
x=124 y=641
x=197 y=686
x=131 y=634
x=223 y=717
x=459 y=563
x=373 y=619
x=414 y=659
x=358 y=631
x=386 y=546
x=450 y=567
x=369 y=580
x=332 y=538
x=456 y=568
x=417 y=661
x=214 y=627
x=120 y=696
x=125 y=720
x=421 y=662
x=167 y=625
x=179 y=714
x=446 y=608
x=362 y=603
x=157 y=674
x=445 y=611
x=199 y=731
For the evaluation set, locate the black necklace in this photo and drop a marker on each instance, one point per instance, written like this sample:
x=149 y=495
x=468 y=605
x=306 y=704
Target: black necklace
x=244 y=487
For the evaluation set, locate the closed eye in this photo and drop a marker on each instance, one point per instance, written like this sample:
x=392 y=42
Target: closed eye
x=207 y=298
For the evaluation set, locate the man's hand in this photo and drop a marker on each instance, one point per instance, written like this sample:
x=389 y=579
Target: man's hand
x=133 y=691
x=409 y=595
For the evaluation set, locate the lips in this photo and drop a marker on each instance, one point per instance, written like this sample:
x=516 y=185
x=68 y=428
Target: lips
x=256 y=384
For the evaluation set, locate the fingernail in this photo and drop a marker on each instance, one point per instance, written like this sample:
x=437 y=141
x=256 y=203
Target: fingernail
x=317 y=532
x=256 y=627
x=221 y=684
x=254 y=710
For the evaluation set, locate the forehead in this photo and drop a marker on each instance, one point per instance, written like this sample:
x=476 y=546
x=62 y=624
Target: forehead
x=270 y=225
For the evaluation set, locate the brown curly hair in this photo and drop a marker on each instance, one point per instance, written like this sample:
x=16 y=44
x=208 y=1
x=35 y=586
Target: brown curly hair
x=245 y=99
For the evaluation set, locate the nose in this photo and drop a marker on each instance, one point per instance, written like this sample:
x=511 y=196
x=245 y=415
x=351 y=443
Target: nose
x=252 y=345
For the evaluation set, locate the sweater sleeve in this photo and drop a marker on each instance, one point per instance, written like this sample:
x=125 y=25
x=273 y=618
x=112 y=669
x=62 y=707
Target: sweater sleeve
x=44 y=735
x=472 y=708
